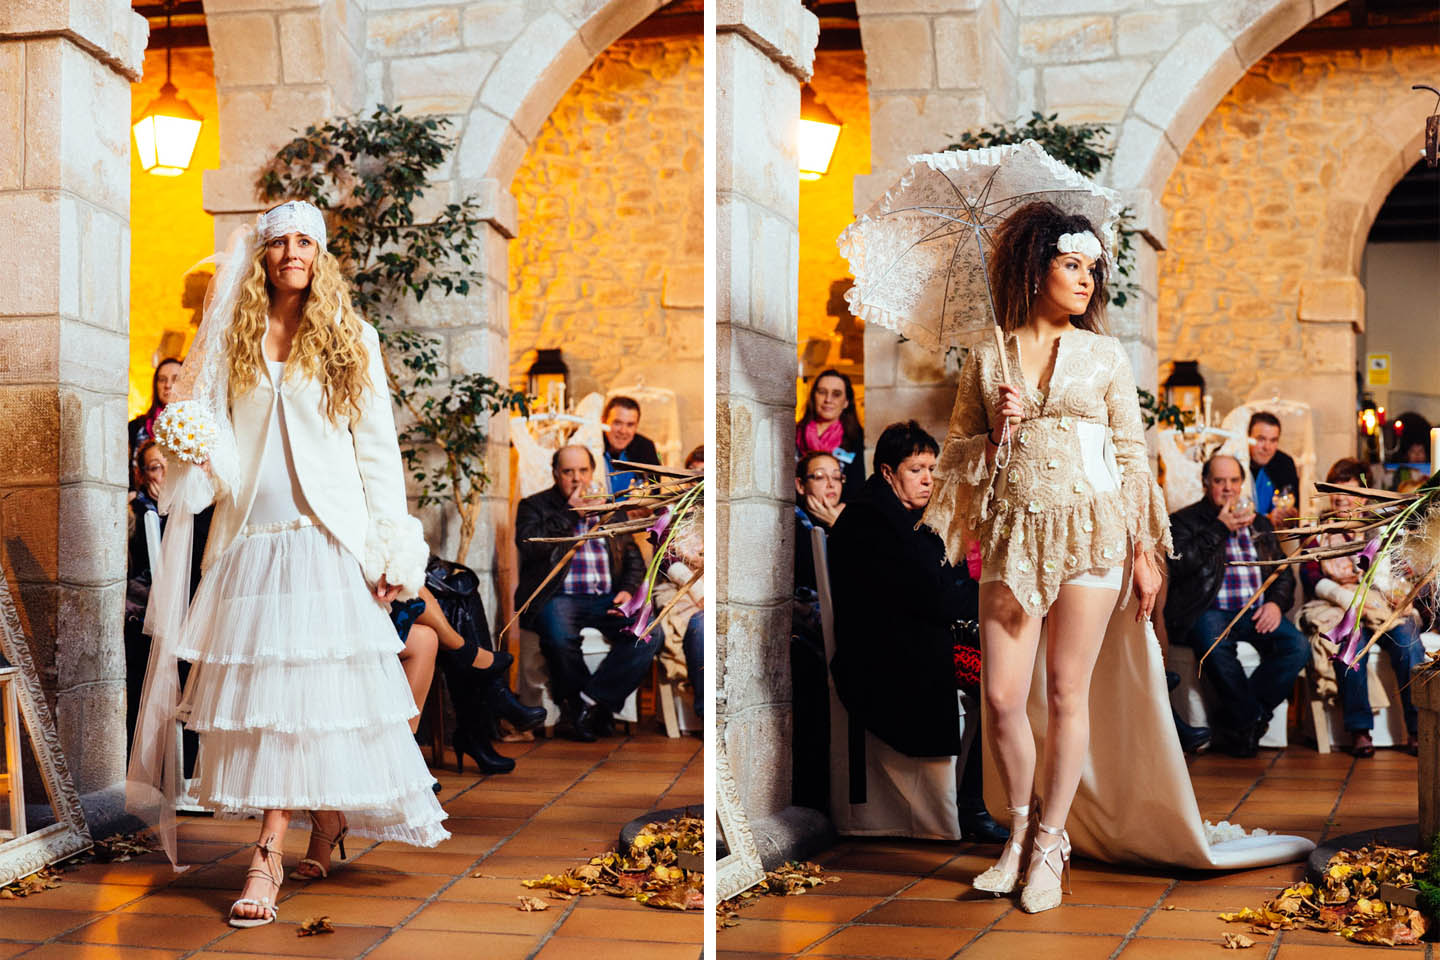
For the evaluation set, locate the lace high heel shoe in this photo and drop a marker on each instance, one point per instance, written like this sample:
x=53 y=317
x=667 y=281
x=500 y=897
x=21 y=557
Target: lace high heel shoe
x=334 y=840
x=1033 y=899
x=266 y=904
x=997 y=881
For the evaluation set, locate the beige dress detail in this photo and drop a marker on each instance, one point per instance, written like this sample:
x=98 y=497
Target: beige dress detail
x=1075 y=496
x=1045 y=518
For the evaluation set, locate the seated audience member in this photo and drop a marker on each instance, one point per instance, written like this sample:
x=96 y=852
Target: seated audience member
x=899 y=610
x=589 y=591
x=1205 y=593
x=147 y=477
x=1331 y=585
x=621 y=417
x=142 y=428
x=819 y=482
x=831 y=425
x=683 y=656
x=1271 y=468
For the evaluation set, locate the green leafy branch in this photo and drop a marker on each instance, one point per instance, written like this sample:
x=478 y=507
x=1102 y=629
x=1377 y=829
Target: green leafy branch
x=1155 y=411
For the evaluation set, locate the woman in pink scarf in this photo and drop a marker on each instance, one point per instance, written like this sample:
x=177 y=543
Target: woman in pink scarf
x=831 y=426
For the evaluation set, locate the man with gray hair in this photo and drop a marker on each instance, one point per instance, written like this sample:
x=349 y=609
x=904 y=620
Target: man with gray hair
x=1217 y=541
x=602 y=576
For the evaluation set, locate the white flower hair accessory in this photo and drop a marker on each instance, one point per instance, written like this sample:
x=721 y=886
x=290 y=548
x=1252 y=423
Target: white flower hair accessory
x=1083 y=242
x=296 y=216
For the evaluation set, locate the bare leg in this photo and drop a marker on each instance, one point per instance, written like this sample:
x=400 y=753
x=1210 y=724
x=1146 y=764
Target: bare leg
x=418 y=662
x=1008 y=640
x=434 y=618
x=326 y=828
x=1075 y=629
x=272 y=831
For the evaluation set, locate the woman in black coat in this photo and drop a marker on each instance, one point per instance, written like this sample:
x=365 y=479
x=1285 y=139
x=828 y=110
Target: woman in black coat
x=898 y=608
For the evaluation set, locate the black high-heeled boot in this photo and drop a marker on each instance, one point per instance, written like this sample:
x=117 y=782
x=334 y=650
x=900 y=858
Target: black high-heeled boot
x=493 y=685
x=472 y=728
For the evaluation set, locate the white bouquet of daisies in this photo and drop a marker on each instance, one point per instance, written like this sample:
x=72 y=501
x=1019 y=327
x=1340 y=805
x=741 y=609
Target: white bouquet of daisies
x=186 y=429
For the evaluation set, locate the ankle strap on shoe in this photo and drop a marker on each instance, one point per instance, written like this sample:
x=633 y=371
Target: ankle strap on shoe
x=1020 y=811
x=1053 y=831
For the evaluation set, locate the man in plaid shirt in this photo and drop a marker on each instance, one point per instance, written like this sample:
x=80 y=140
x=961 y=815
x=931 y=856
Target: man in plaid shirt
x=603 y=575
x=1207 y=590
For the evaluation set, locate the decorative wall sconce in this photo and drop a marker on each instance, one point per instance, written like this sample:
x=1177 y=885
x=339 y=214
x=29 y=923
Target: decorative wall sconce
x=819 y=130
x=166 y=132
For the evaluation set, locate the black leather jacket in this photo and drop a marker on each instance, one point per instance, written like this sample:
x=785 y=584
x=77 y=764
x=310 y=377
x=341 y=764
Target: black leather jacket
x=548 y=514
x=1199 y=567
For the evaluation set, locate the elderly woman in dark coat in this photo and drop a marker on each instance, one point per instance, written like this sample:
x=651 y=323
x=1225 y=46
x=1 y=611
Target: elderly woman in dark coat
x=901 y=615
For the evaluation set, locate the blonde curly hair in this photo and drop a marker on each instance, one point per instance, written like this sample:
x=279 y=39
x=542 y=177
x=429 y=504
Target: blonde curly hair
x=327 y=345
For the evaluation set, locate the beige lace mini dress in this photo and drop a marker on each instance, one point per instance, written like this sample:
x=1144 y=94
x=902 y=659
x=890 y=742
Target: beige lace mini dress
x=1077 y=491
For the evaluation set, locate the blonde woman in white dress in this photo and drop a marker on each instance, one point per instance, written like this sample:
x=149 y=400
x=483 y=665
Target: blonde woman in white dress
x=296 y=689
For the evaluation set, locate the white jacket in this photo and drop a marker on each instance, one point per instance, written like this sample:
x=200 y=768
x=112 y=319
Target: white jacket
x=350 y=473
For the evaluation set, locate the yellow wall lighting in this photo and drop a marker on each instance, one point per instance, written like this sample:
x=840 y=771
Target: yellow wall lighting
x=166 y=132
x=819 y=129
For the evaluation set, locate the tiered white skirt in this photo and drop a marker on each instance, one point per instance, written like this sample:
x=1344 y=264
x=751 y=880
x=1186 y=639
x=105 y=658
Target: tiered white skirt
x=297 y=691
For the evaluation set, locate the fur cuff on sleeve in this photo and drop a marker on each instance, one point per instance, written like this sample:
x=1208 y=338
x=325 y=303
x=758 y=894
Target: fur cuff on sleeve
x=396 y=547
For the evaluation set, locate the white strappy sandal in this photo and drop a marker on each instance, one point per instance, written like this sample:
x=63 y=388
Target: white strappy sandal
x=338 y=839
x=995 y=880
x=1036 y=901
x=267 y=905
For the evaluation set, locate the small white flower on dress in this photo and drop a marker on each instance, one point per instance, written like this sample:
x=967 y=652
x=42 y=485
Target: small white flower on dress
x=1052 y=464
x=1064 y=423
x=1024 y=566
x=1108 y=553
x=1049 y=566
x=1034 y=597
x=1088 y=526
x=1033 y=507
x=1077 y=487
x=1024 y=437
x=1071 y=560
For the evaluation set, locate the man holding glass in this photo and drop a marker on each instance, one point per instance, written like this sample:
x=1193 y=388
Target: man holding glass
x=1210 y=582
x=1276 y=480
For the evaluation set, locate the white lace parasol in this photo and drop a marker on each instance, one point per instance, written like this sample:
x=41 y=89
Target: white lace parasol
x=919 y=253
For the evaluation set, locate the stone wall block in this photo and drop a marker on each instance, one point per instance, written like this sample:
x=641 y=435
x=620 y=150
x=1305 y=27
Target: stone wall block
x=29 y=350
x=95 y=158
x=12 y=116
x=249 y=132
x=759 y=680
x=763 y=163
x=410 y=32
x=113 y=29
x=601 y=23
x=758 y=742
x=487 y=143
x=957 y=52
x=513 y=88
x=882 y=357
x=1146 y=31
x=30 y=455
x=32 y=549
x=775 y=258
x=762 y=367
x=92 y=438
x=302 y=47
x=1258 y=26
x=1143 y=158
x=1092 y=91
x=1066 y=39
x=931 y=405
x=105 y=271
x=785 y=32
x=901 y=52
x=91 y=533
x=1187 y=83
x=247 y=49
x=920 y=365
x=87 y=357
x=882 y=7
x=43 y=126
x=427 y=84
x=774 y=551
x=28 y=284
x=492 y=23
x=85 y=615
x=1328 y=347
x=1059 y=8
x=475 y=351
x=895 y=119
x=213 y=7
x=1333 y=299
x=91 y=721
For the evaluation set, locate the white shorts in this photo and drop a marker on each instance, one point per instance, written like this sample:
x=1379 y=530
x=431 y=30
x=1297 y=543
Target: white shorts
x=1107 y=578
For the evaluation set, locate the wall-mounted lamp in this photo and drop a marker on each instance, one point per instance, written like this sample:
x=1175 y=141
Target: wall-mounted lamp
x=165 y=134
x=819 y=129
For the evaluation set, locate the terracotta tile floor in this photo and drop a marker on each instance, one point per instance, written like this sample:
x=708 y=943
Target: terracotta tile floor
x=912 y=899
x=564 y=802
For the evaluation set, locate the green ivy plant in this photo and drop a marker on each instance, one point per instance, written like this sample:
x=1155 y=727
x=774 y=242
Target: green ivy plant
x=367 y=173
x=1079 y=147
x=1154 y=411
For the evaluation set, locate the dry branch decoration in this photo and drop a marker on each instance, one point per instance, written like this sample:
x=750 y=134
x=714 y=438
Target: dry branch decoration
x=367 y=174
x=671 y=508
x=1396 y=541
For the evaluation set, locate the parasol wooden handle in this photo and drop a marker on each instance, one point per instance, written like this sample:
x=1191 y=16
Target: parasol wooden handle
x=1004 y=357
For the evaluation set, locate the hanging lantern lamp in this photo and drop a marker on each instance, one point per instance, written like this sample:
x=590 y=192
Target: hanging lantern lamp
x=166 y=132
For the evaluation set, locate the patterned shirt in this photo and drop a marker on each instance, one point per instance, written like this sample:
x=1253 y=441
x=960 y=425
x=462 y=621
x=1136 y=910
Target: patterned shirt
x=1239 y=583
x=589 y=572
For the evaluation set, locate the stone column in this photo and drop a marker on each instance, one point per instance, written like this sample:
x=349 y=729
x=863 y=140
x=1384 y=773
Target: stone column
x=934 y=71
x=763 y=51
x=280 y=65
x=65 y=75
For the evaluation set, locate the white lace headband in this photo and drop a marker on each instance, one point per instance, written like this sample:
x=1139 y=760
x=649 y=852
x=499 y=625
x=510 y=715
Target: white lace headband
x=1083 y=242
x=297 y=216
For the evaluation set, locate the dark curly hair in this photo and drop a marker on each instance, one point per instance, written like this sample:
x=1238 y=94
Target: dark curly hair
x=1020 y=258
